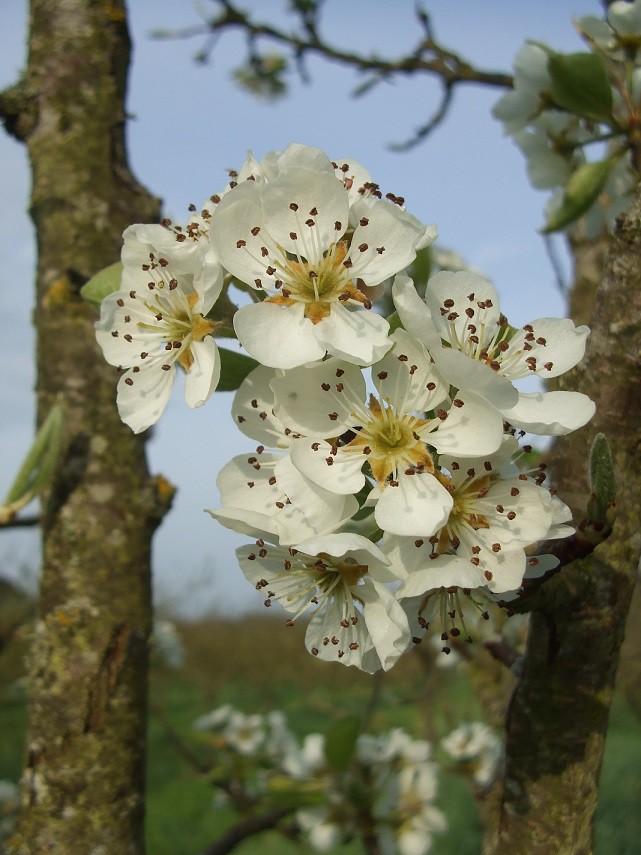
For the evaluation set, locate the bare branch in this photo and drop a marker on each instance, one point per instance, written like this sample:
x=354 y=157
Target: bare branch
x=427 y=57
x=20 y=522
x=246 y=828
x=425 y=130
x=499 y=649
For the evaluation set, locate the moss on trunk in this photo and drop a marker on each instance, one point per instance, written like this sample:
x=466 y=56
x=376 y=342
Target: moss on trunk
x=84 y=776
x=558 y=715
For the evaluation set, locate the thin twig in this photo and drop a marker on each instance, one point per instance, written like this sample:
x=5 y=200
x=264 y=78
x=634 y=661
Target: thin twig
x=20 y=522
x=246 y=828
x=428 y=56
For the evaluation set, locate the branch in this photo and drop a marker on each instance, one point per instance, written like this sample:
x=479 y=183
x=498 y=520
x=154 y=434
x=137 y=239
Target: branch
x=427 y=57
x=177 y=741
x=18 y=110
x=22 y=522
x=581 y=544
x=246 y=828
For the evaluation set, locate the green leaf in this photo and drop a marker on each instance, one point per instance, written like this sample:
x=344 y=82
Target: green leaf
x=420 y=269
x=394 y=322
x=583 y=189
x=580 y=85
x=361 y=496
x=340 y=741
x=102 y=284
x=602 y=477
x=234 y=368
x=39 y=465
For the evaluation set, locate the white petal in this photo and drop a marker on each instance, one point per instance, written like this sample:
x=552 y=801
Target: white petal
x=386 y=622
x=414 y=314
x=243 y=482
x=143 y=396
x=443 y=572
x=418 y=506
x=565 y=344
x=384 y=242
x=297 y=154
x=466 y=373
x=343 y=475
x=328 y=639
x=238 y=249
x=252 y=409
x=554 y=413
x=245 y=522
x=308 y=191
x=459 y=287
x=321 y=508
x=304 y=402
x=407 y=376
x=347 y=544
x=532 y=506
x=359 y=335
x=280 y=337
x=204 y=372
x=474 y=428
x=508 y=568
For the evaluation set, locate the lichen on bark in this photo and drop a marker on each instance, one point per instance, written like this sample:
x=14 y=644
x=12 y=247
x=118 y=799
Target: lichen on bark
x=83 y=785
x=558 y=715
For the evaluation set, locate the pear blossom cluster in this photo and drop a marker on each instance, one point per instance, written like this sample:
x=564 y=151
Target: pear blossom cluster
x=384 y=487
x=556 y=142
x=386 y=788
x=477 y=750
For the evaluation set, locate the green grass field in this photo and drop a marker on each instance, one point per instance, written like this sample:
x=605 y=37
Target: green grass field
x=257 y=666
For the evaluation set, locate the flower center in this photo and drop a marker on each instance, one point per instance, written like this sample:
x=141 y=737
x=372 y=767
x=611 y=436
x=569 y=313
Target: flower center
x=317 y=284
x=464 y=513
x=390 y=441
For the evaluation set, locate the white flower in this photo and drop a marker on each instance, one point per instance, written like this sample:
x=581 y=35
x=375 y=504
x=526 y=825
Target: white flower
x=157 y=319
x=215 y=719
x=545 y=144
x=288 y=238
x=625 y=18
x=263 y=494
x=475 y=743
x=395 y=436
x=494 y=516
x=322 y=833
x=355 y=619
x=245 y=733
x=531 y=80
x=474 y=346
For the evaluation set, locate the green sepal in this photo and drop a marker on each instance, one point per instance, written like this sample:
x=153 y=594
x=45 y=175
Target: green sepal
x=233 y=369
x=286 y=792
x=584 y=187
x=603 y=484
x=421 y=268
x=340 y=741
x=394 y=322
x=39 y=465
x=105 y=282
x=580 y=85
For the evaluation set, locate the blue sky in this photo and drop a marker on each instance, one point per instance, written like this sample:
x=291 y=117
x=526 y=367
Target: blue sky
x=190 y=123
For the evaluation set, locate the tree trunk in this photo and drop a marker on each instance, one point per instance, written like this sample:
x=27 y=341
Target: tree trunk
x=558 y=715
x=84 y=776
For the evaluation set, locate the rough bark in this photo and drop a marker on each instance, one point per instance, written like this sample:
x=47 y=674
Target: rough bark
x=558 y=716
x=84 y=776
